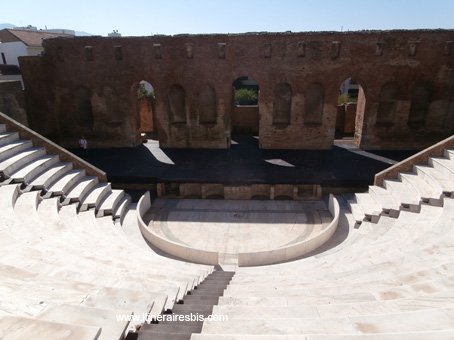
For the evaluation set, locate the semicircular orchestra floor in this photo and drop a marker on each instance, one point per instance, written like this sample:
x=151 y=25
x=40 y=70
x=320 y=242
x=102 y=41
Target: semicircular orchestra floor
x=234 y=226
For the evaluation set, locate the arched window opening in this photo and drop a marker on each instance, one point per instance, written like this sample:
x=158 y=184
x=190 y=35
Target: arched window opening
x=282 y=103
x=351 y=104
x=146 y=97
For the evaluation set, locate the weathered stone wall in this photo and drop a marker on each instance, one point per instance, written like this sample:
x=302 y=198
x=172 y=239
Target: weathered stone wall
x=239 y=191
x=12 y=100
x=86 y=85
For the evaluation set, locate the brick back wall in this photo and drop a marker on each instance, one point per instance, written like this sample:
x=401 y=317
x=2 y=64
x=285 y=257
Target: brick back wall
x=192 y=61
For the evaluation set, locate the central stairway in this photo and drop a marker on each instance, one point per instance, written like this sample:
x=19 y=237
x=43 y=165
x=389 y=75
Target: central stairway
x=197 y=304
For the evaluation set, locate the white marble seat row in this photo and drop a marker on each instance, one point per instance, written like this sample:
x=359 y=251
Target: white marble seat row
x=424 y=335
x=414 y=321
x=320 y=310
x=15 y=328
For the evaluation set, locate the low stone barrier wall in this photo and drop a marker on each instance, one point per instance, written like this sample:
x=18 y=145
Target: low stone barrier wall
x=172 y=248
x=265 y=257
x=296 y=250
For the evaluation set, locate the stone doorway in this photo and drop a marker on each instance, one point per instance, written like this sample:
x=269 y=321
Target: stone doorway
x=245 y=107
x=351 y=104
x=144 y=95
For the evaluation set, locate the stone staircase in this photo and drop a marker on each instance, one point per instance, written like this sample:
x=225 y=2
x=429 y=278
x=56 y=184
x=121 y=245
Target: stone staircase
x=428 y=184
x=34 y=169
x=198 y=305
x=68 y=269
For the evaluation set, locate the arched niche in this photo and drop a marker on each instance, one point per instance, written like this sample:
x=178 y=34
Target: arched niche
x=83 y=107
x=207 y=104
x=145 y=96
x=282 y=103
x=177 y=104
x=419 y=107
x=314 y=98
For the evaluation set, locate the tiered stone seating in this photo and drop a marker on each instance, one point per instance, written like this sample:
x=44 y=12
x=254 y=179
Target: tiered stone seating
x=427 y=184
x=68 y=270
x=391 y=277
x=72 y=260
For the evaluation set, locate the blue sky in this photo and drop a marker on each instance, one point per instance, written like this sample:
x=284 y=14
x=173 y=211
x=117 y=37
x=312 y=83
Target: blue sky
x=141 y=17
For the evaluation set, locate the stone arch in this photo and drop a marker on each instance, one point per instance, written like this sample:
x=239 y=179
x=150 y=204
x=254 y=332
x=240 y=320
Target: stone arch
x=83 y=107
x=351 y=110
x=145 y=98
x=177 y=104
x=387 y=103
x=420 y=102
x=207 y=105
x=282 y=103
x=314 y=98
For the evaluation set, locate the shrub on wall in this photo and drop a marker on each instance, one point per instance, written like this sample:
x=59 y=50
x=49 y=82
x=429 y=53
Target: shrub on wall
x=246 y=96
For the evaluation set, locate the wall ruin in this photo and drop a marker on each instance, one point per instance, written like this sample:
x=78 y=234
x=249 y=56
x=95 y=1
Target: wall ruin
x=87 y=85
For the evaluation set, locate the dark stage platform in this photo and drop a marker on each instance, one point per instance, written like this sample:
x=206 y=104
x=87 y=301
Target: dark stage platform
x=244 y=163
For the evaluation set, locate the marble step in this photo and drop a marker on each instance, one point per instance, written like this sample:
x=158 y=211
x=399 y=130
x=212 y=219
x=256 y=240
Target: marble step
x=444 y=165
x=19 y=328
x=34 y=169
x=122 y=208
x=369 y=206
x=356 y=210
x=109 y=320
x=110 y=203
x=14 y=147
x=424 y=335
x=449 y=154
x=50 y=176
x=140 y=302
x=80 y=190
x=19 y=160
x=131 y=229
x=65 y=183
x=409 y=197
x=446 y=182
x=430 y=193
x=417 y=321
x=8 y=137
x=389 y=204
x=95 y=196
